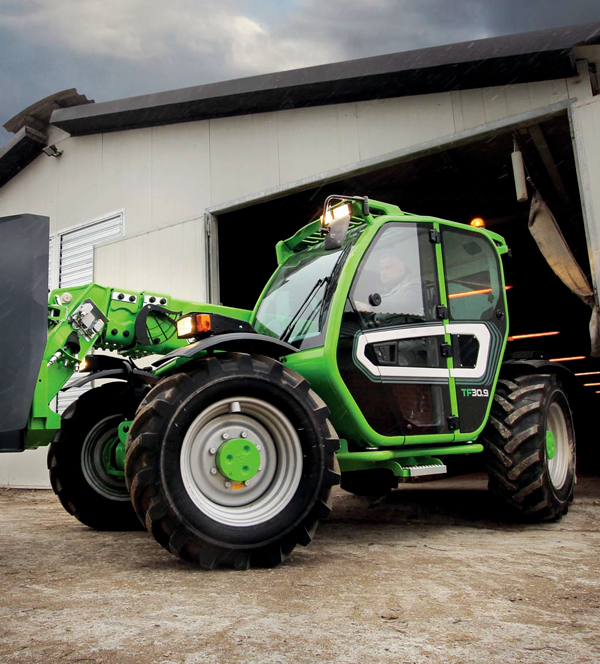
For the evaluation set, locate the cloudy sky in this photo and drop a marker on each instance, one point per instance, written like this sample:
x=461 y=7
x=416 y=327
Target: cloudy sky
x=109 y=49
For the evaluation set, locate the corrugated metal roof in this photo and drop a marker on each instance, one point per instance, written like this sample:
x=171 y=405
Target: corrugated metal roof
x=525 y=57
x=520 y=58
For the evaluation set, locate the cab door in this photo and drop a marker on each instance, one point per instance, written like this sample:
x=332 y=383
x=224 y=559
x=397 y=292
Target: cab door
x=477 y=320
x=393 y=352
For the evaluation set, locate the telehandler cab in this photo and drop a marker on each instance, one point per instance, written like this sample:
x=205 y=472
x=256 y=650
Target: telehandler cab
x=374 y=354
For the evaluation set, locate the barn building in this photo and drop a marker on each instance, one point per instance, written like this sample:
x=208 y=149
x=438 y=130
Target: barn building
x=187 y=191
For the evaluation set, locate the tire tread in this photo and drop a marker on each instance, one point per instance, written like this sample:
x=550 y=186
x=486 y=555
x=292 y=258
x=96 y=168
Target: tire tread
x=143 y=451
x=514 y=446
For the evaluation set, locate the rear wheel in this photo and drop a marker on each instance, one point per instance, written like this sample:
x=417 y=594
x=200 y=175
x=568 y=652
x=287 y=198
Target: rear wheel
x=530 y=447
x=82 y=473
x=231 y=462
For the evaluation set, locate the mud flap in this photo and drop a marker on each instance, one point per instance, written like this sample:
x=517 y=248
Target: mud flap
x=23 y=320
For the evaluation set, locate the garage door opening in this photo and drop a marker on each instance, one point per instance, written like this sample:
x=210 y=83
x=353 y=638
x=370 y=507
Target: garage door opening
x=475 y=180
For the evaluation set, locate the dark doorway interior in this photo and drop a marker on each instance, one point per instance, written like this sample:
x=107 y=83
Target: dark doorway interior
x=458 y=184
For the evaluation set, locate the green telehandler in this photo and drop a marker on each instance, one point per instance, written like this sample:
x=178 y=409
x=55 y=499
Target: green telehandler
x=374 y=355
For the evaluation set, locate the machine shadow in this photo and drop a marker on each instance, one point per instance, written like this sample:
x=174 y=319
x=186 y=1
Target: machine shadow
x=454 y=501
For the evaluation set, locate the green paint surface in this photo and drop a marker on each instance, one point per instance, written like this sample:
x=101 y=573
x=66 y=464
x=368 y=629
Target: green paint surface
x=550 y=444
x=318 y=365
x=114 y=459
x=238 y=459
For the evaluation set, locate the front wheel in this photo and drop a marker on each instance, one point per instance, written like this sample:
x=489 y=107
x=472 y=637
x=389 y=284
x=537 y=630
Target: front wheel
x=530 y=447
x=231 y=462
x=80 y=459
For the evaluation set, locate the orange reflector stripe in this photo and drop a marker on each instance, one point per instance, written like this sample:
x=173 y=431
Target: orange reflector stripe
x=531 y=336
x=588 y=373
x=567 y=359
x=591 y=384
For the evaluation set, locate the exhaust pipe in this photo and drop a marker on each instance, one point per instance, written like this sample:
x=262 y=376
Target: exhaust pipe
x=23 y=320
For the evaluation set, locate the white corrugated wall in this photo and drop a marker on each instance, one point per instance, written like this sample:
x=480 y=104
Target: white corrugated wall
x=163 y=177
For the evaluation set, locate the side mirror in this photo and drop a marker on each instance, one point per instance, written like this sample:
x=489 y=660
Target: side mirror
x=338 y=230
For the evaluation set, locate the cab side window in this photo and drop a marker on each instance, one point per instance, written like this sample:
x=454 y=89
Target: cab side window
x=397 y=281
x=472 y=277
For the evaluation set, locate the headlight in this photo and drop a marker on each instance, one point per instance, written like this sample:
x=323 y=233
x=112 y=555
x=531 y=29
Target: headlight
x=193 y=325
x=335 y=213
x=185 y=327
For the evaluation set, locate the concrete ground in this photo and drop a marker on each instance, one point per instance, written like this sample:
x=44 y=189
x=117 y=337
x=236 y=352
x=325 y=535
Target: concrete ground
x=422 y=576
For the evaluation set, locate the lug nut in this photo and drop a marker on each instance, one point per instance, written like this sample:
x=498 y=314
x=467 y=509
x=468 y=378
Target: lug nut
x=247 y=483
x=228 y=485
x=260 y=467
x=259 y=447
x=244 y=434
x=224 y=435
x=213 y=450
x=213 y=471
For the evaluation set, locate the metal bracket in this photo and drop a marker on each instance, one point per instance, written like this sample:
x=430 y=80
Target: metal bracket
x=156 y=299
x=124 y=297
x=453 y=423
x=446 y=350
x=87 y=320
x=441 y=312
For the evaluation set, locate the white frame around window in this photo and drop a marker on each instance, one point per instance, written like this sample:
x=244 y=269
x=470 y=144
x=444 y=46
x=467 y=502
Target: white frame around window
x=478 y=330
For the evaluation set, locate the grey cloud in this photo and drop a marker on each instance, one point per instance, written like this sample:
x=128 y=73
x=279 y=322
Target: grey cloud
x=111 y=49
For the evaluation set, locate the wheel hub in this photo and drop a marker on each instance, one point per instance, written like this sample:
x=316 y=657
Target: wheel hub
x=559 y=453
x=550 y=444
x=238 y=460
x=264 y=470
x=98 y=460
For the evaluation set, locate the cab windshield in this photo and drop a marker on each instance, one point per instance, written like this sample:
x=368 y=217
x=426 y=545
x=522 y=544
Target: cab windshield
x=293 y=307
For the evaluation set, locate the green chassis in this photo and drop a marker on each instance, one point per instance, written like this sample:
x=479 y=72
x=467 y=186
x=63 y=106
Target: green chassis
x=361 y=447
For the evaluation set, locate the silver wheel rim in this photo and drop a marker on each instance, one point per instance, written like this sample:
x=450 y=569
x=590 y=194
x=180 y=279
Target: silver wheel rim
x=558 y=466
x=92 y=460
x=274 y=485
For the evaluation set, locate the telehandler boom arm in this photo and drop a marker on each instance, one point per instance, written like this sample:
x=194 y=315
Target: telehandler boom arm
x=132 y=324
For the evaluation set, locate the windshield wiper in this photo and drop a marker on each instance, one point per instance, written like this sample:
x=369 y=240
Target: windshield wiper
x=285 y=335
x=332 y=280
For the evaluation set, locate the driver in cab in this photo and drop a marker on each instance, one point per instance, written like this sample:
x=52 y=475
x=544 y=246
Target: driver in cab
x=398 y=292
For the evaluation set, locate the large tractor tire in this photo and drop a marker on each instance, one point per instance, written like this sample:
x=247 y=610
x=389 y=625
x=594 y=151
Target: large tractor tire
x=200 y=433
x=371 y=483
x=530 y=448
x=77 y=459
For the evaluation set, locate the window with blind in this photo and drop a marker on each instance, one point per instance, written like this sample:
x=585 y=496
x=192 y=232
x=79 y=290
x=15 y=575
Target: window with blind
x=76 y=267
